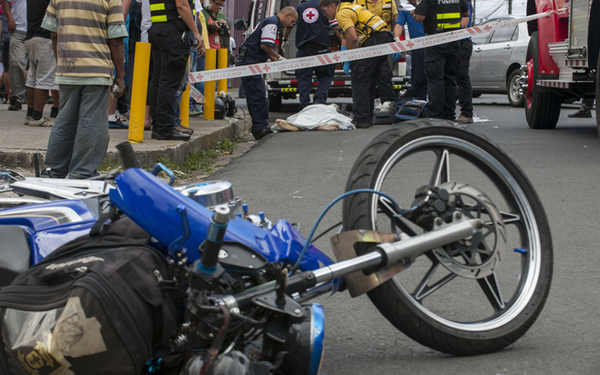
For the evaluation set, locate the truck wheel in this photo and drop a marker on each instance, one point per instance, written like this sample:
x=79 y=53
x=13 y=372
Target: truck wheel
x=514 y=97
x=274 y=103
x=542 y=109
x=598 y=92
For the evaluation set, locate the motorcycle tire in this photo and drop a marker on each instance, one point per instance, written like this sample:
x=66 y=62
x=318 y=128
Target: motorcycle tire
x=440 y=301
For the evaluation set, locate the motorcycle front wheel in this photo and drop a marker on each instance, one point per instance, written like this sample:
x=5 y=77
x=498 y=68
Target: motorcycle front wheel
x=472 y=297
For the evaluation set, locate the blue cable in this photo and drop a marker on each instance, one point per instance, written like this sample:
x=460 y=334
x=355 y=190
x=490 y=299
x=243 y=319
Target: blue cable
x=357 y=191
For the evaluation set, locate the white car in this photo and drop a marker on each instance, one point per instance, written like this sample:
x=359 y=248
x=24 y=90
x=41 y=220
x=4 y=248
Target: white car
x=497 y=59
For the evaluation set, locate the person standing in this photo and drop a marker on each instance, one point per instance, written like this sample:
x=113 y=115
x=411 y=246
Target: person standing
x=441 y=60
x=463 y=81
x=42 y=66
x=85 y=65
x=258 y=48
x=16 y=17
x=387 y=11
x=312 y=38
x=216 y=25
x=361 y=28
x=415 y=29
x=169 y=35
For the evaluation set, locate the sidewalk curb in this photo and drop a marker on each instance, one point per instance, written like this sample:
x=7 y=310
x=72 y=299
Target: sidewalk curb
x=23 y=157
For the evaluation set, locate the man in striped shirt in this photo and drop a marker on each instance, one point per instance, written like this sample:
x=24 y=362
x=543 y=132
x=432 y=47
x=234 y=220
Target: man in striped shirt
x=87 y=37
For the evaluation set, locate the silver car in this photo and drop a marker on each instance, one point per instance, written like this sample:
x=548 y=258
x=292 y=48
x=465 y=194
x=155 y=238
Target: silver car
x=496 y=60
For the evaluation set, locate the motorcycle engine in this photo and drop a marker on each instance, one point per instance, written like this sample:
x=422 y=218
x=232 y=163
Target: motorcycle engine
x=297 y=349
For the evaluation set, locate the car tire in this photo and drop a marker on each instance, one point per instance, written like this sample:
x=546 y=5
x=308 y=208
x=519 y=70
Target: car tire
x=515 y=98
x=477 y=94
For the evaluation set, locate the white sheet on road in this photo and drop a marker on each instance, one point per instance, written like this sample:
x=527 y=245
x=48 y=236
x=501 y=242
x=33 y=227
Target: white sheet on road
x=316 y=115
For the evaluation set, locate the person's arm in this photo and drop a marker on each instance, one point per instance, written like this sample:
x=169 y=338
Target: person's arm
x=351 y=38
x=398 y=30
x=183 y=8
x=273 y=56
x=126 y=5
x=54 y=37
x=117 y=54
x=464 y=21
x=418 y=17
x=10 y=20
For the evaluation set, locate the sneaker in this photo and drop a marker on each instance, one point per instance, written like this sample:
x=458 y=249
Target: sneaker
x=195 y=113
x=582 y=113
x=117 y=125
x=53 y=112
x=362 y=125
x=27 y=119
x=15 y=104
x=184 y=130
x=262 y=133
x=124 y=114
x=43 y=122
x=464 y=120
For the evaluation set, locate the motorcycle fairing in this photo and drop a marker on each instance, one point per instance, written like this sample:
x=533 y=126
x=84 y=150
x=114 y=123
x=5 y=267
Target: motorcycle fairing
x=50 y=225
x=152 y=205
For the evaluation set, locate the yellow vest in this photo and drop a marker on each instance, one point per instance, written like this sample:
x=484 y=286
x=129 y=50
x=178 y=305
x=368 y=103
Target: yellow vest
x=386 y=9
x=367 y=23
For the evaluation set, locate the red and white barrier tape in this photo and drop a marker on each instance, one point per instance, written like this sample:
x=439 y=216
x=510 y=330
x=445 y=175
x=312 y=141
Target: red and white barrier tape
x=359 y=53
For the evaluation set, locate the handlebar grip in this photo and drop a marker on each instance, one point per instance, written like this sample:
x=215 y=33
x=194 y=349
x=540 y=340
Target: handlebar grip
x=127 y=156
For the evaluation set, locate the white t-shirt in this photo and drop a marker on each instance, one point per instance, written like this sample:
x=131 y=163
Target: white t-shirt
x=146 y=20
x=19 y=12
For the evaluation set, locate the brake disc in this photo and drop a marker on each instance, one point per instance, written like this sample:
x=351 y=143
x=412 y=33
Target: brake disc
x=478 y=256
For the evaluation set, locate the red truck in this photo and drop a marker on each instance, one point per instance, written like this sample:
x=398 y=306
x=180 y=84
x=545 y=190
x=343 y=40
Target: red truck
x=562 y=59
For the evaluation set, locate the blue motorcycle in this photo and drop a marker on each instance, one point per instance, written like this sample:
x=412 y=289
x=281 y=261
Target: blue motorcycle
x=441 y=229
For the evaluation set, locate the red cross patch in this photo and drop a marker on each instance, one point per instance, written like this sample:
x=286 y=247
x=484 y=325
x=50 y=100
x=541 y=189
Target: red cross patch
x=310 y=15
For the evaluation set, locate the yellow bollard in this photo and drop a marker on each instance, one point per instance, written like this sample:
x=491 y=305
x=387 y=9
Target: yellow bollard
x=209 y=86
x=184 y=104
x=222 y=61
x=139 y=91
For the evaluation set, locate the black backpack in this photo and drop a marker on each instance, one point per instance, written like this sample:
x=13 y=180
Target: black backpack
x=93 y=306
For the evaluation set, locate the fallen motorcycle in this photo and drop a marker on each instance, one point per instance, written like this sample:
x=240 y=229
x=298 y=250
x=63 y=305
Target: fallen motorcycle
x=163 y=284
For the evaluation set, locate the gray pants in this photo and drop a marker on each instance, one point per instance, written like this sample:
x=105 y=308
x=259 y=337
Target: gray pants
x=17 y=61
x=79 y=137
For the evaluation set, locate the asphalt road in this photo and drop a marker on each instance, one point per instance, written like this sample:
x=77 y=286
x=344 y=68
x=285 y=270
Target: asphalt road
x=295 y=175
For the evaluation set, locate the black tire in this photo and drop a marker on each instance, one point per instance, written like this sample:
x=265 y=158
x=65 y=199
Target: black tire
x=598 y=93
x=464 y=318
x=512 y=87
x=542 y=108
x=274 y=103
x=477 y=94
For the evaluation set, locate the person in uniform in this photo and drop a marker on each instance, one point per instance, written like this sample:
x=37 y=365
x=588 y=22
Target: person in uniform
x=169 y=36
x=441 y=60
x=312 y=38
x=361 y=28
x=415 y=29
x=387 y=11
x=463 y=81
x=258 y=48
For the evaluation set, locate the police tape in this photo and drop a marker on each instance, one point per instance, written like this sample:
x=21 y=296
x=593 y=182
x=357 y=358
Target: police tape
x=359 y=53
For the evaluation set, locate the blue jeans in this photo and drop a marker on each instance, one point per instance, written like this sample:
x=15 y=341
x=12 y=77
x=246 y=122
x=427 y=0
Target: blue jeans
x=79 y=137
x=200 y=65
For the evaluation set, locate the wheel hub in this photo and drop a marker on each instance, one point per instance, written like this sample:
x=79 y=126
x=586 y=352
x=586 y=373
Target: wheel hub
x=478 y=256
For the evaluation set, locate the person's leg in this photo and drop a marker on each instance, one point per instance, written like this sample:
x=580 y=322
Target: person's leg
x=384 y=83
x=62 y=136
x=156 y=65
x=174 y=57
x=17 y=67
x=257 y=102
x=377 y=67
x=304 y=77
x=91 y=141
x=419 y=80
x=325 y=77
x=55 y=103
x=200 y=65
x=586 y=109
x=463 y=81
x=286 y=125
x=434 y=70
x=450 y=65
x=361 y=96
